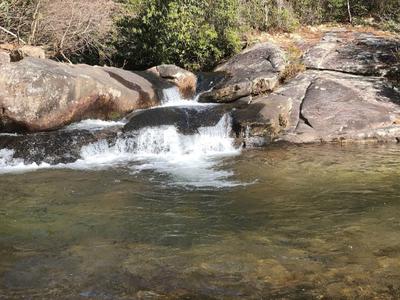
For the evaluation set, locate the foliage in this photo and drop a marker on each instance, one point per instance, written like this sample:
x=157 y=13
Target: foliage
x=279 y=14
x=294 y=64
x=193 y=34
x=267 y=15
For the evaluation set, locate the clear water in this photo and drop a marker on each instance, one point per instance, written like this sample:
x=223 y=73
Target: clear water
x=309 y=222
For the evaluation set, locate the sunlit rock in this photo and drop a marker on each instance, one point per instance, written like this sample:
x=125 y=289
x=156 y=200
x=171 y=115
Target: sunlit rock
x=40 y=95
x=252 y=72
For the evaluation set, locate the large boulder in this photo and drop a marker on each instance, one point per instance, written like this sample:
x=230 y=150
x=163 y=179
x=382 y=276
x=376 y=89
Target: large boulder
x=354 y=52
x=342 y=107
x=41 y=95
x=185 y=81
x=322 y=106
x=4 y=58
x=263 y=120
x=254 y=71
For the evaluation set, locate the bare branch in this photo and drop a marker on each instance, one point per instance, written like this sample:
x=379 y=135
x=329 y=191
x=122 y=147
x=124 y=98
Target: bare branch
x=34 y=23
x=12 y=34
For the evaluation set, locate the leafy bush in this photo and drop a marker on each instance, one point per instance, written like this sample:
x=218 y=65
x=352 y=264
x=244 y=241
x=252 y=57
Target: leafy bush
x=195 y=34
x=192 y=34
x=283 y=19
x=265 y=15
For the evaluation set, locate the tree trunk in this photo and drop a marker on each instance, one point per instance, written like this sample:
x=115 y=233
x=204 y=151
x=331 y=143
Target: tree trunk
x=349 y=12
x=266 y=13
x=34 y=23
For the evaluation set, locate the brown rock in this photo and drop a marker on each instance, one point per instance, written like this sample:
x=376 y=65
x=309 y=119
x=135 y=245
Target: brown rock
x=322 y=106
x=4 y=58
x=353 y=52
x=252 y=72
x=342 y=107
x=264 y=119
x=41 y=95
x=185 y=81
x=20 y=53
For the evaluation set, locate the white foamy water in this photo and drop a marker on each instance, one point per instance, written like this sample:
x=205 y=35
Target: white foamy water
x=188 y=159
x=9 y=134
x=9 y=164
x=172 y=97
x=94 y=124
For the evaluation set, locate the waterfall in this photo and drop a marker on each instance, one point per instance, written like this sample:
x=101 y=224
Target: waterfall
x=188 y=159
x=166 y=143
x=172 y=97
x=9 y=164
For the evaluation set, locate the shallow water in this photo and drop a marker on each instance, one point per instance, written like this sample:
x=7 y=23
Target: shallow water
x=308 y=222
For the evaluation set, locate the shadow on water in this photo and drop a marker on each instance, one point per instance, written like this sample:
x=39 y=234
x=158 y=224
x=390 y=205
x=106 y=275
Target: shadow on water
x=316 y=222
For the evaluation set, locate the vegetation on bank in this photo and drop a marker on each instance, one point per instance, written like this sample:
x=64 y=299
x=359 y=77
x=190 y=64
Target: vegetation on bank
x=195 y=34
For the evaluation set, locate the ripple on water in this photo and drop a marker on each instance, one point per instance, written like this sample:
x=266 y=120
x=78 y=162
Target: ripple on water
x=320 y=221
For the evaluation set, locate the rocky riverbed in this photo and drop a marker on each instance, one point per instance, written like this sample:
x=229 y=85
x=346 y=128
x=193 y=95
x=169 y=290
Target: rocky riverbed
x=344 y=95
x=141 y=189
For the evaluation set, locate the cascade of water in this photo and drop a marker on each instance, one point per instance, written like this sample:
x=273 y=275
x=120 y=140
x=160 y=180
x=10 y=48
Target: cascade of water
x=189 y=159
x=166 y=143
x=186 y=157
x=94 y=124
x=172 y=97
x=10 y=164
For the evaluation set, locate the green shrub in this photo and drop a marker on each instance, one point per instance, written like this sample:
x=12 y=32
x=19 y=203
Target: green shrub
x=283 y=19
x=192 y=34
x=254 y=14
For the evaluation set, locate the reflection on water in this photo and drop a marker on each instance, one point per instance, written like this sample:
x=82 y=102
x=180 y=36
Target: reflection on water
x=318 y=222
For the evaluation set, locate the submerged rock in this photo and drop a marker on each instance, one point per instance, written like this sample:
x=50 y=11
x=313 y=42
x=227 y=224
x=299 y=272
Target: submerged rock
x=41 y=95
x=252 y=72
x=53 y=147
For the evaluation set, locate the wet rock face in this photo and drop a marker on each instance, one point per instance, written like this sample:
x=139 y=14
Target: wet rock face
x=186 y=119
x=53 y=147
x=354 y=52
x=252 y=72
x=41 y=95
x=336 y=100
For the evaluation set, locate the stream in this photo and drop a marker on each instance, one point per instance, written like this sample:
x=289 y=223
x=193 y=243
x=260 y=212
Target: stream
x=163 y=215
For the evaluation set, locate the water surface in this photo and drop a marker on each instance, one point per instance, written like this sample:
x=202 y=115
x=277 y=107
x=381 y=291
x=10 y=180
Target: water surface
x=310 y=222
